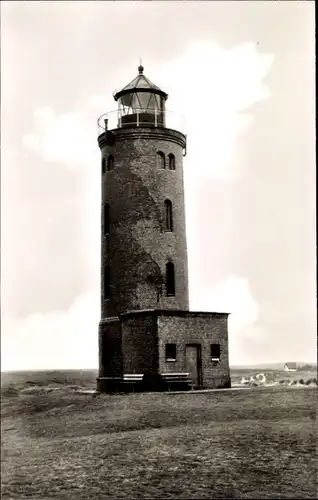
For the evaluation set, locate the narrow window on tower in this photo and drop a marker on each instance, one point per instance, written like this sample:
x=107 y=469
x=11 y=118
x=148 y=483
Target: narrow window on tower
x=168 y=210
x=103 y=165
x=215 y=352
x=161 y=161
x=106 y=219
x=106 y=282
x=170 y=279
x=172 y=162
x=129 y=189
x=110 y=162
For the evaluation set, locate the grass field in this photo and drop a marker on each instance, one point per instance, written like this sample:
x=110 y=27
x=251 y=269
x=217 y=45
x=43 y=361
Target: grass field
x=87 y=378
x=252 y=443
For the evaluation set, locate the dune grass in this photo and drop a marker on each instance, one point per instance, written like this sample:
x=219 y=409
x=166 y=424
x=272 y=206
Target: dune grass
x=232 y=444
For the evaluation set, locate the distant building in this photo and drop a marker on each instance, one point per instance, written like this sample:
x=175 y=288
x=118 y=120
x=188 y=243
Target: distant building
x=146 y=331
x=290 y=367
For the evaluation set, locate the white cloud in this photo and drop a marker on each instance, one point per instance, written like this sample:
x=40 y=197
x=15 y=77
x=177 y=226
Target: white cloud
x=69 y=139
x=215 y=87
x=31 y=142
x=233 y=296
x=58 y=339
x=44 y=118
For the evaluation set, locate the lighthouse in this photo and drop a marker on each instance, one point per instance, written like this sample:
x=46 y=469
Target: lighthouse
x=148 y=338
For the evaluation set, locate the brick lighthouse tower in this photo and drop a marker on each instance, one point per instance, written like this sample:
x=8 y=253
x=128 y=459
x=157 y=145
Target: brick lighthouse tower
x=147 y=336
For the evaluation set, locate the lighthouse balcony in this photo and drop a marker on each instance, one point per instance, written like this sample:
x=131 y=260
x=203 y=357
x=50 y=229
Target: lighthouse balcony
x=139 y=117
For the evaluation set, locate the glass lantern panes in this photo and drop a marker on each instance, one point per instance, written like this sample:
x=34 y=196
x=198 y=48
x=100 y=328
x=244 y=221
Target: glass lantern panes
x=140 y=101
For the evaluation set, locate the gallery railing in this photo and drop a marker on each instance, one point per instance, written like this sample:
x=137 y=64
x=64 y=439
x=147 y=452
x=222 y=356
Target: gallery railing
x=141 y=118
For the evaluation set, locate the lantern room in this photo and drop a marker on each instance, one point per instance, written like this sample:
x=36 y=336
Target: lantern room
x=141 y=103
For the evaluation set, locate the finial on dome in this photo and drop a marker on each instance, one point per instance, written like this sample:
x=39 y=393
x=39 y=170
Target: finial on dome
x=140 y=67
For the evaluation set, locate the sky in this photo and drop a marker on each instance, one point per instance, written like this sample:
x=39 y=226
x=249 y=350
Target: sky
x=242 y=75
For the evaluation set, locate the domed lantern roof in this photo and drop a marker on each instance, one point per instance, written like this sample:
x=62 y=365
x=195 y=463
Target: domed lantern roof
x=142 y=99
x=145 y=91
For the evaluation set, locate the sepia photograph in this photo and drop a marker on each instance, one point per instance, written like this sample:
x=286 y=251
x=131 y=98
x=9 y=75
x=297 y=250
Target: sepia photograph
x=158 y=250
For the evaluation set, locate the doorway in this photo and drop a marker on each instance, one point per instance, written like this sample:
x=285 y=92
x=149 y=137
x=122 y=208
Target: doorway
x=193 y=364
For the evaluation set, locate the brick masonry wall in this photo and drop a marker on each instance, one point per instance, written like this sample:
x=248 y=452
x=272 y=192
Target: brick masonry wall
x=139 y=344
x=195 y=328
x=110 y=349
x=137 y=247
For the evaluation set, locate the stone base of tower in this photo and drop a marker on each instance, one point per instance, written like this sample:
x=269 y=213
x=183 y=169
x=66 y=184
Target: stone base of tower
x=109 y=384
x=158 y=350
x=130 y=383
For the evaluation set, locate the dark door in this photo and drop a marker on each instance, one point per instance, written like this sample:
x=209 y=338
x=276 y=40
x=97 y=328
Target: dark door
x=193 y=363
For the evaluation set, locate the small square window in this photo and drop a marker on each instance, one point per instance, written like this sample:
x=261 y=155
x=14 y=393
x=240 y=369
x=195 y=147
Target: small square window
x=171 y=352
x=215 y=352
